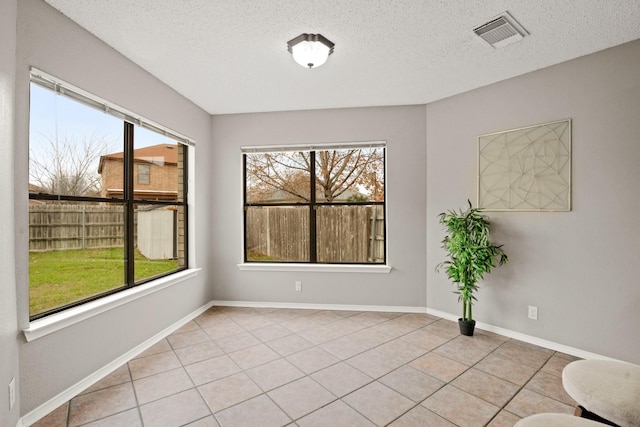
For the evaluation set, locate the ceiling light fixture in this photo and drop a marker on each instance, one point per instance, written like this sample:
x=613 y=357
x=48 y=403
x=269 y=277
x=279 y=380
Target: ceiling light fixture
x=310 y=50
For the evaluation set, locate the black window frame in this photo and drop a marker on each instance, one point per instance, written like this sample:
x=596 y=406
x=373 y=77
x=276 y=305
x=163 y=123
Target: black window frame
x=312 y=205
x=128 y=201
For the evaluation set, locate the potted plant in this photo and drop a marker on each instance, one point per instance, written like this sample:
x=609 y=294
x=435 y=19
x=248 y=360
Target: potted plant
x=470 y=256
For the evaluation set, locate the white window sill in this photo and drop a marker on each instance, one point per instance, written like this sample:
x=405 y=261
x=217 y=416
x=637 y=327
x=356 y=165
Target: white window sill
x=330 y=268
x=55 y=322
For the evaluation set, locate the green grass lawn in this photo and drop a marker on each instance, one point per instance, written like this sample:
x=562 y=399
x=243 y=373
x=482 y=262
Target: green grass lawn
x=58 y=278
x=258 y=256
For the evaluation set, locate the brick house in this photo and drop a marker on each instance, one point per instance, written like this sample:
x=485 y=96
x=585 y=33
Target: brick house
x=33 y=188
x=155 y=173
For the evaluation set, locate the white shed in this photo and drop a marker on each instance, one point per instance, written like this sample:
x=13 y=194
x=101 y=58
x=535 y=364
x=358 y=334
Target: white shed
x=156 y=231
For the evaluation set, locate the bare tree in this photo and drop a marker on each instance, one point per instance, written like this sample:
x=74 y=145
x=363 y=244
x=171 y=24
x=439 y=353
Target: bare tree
x=338 y=173
x=68 y=165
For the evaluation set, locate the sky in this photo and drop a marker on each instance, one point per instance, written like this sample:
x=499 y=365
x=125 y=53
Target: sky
x=53 y=115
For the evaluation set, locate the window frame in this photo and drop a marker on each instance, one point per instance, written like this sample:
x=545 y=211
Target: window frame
x=312 y=205
x=128 y=200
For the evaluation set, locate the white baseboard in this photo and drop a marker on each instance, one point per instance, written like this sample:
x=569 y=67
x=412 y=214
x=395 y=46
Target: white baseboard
x=66 y=395
x=523 y=337
x=309 y=306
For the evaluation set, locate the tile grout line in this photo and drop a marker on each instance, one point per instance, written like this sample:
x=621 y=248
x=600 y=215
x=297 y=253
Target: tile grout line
x=503 y=408
x=344 y=360
x=408 y=362
x=306 y=375
x=373 y=380
x=387 y=320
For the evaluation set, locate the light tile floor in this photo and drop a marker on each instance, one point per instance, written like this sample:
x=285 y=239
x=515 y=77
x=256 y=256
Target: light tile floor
x=283 y=367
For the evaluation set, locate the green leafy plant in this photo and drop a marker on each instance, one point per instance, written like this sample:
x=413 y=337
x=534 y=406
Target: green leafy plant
x=470 y=253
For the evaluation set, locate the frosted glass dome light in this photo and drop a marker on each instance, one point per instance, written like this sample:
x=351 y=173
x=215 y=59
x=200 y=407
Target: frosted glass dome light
x=310 y=50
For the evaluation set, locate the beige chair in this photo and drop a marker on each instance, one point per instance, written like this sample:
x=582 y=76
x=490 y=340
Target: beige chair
x=607 y=391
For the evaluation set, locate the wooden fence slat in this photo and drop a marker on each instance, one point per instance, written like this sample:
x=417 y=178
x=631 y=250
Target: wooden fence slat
x=68 y=226
x=345 y=233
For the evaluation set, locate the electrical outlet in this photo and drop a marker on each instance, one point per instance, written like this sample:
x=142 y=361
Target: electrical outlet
x=12 y=393
x=533 y=312
x=298 y=286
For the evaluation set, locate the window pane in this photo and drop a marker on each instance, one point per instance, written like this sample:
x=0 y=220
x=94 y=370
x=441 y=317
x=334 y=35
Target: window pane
x=79 y=250
x=350 y=234
x=76 y=251
x=277 y=177
x=277 y=233
x=354 y=175
x=158 y=249
x=158 y=166
x=67 y=143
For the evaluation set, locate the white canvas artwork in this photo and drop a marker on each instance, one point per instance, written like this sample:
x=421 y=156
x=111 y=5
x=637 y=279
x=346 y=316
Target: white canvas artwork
x=526 y=169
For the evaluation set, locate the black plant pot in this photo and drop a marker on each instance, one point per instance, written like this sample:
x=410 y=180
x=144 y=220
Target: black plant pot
x=466 y=328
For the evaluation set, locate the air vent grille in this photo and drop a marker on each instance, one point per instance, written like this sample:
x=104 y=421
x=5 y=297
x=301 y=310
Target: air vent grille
x=501 y=31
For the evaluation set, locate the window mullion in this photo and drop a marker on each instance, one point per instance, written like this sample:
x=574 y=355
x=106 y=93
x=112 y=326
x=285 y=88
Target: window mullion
x=185 y=197
x=313 y=248
x=244 y=202
x=129 y=250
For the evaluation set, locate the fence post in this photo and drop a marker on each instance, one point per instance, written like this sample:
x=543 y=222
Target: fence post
x=84 y=226
x=267 y=228
x=372 y=235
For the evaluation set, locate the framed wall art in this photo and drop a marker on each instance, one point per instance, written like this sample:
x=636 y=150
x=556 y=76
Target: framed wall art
x=526 y=169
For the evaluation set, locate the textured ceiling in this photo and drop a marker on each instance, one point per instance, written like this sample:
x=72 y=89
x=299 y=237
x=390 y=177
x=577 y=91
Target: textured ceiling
x=231 y=56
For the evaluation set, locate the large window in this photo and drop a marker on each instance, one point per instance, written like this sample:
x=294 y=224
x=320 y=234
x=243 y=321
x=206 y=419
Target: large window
x=320 y=204
x=97 y=223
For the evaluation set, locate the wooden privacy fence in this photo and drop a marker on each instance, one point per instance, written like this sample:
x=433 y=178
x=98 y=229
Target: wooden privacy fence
x=61 y=227
x=67 y=226
x=344 y=233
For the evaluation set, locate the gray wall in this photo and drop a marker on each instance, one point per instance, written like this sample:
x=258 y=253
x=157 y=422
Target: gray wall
x=8 y=316
x=580 y=268
x=51 y=42
x=404 y=130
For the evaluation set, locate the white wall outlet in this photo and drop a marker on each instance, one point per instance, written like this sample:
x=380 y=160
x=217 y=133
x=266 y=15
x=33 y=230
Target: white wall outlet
x=298 y=286
x=12 y=393
x=533 y=312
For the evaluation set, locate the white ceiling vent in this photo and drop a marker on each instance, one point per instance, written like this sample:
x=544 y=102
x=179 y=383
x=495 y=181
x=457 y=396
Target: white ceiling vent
x=501 y=31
